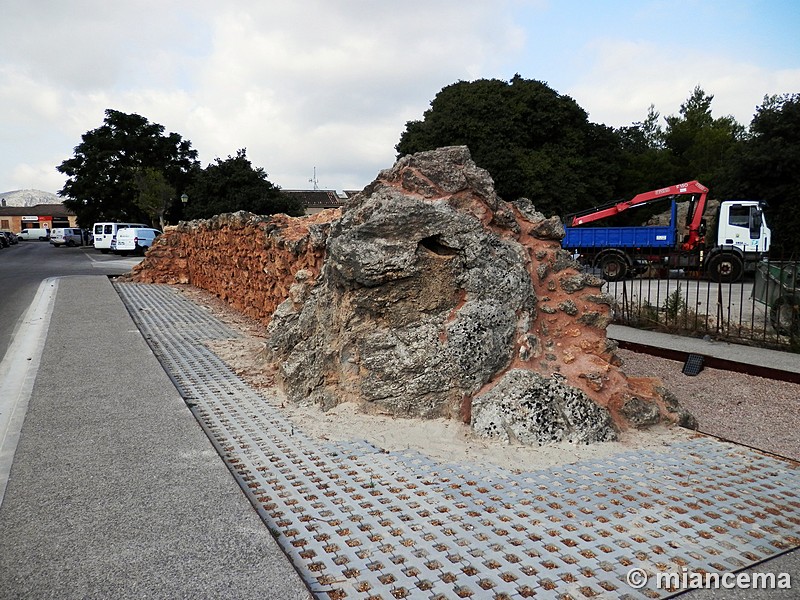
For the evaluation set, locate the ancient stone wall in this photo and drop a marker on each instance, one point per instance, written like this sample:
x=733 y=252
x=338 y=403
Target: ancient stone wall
x=248 y=261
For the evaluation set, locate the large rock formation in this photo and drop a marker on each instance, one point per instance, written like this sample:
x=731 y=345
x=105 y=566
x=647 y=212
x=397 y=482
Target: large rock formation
x=428 y=296
x=437 y=298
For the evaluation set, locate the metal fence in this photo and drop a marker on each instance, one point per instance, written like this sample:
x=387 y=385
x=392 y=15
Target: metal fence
x=763 y=308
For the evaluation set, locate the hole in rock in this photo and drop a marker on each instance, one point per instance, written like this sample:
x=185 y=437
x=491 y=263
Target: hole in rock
x=435 y=245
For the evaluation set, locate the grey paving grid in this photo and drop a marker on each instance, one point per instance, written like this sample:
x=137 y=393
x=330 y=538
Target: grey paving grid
x=360 y=522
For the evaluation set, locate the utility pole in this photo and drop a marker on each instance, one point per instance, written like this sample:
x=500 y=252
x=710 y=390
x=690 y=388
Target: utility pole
x=314 y=180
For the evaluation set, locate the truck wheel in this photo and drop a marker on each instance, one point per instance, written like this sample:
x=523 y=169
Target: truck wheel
x=784 y=314
x=725 y=268
x=613 y=267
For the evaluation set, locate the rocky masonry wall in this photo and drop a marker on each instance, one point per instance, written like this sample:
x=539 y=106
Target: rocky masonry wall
x=247 y=260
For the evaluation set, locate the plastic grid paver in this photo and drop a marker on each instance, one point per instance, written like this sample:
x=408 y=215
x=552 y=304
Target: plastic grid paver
x=360 y=522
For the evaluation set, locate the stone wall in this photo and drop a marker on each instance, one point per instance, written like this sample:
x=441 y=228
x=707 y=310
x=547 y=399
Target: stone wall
x=246 y=260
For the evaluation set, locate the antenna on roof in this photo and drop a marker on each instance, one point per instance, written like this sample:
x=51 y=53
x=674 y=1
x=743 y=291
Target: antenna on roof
x=314 y=179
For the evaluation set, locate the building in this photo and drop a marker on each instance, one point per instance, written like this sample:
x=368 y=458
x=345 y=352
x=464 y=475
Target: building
x=17 y=218
x=316 y=201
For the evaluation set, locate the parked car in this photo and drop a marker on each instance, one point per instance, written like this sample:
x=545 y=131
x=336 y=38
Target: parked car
x=104 y=232
x=10 y=236
x=66 y=236
x=4 y=241
x=35 y=233
x=135 y=239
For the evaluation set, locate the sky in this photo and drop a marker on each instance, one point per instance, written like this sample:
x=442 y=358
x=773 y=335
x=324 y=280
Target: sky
x=318 y=92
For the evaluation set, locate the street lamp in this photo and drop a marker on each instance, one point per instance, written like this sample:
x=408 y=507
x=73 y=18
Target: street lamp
x=184 y=198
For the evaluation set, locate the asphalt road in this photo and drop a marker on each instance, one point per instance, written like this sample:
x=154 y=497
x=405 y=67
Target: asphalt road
x=25 y=265
x=110 y=488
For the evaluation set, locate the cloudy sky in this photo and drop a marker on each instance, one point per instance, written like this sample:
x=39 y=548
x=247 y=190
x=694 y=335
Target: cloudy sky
x=327 y=86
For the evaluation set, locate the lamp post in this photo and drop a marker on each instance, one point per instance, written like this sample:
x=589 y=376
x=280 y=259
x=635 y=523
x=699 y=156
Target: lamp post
x=184 y=198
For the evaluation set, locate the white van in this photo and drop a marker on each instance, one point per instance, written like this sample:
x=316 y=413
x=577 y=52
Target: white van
x=135 y=239
x=66 y=236
x=105 y=232
x=34 y=233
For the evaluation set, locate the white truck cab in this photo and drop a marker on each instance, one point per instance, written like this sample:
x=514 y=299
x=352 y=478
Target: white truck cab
x=742 y=226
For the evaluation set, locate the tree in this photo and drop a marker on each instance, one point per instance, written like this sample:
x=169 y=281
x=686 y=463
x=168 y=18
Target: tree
x=700 y=145
x=646 y=163
x=101 y=174
x=155 y=194
x=234 y=184
x=768 y=168
x=535 y=142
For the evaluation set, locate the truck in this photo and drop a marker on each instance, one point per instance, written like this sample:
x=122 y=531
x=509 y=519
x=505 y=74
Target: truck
x=741 y=239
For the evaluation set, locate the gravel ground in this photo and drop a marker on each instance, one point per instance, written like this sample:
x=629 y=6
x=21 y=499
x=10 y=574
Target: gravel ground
x=745 y=409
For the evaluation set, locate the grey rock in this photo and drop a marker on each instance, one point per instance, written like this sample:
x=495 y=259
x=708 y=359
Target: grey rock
x=428 y=297
x=418 y=302
x=640 y=413
x=528 y=408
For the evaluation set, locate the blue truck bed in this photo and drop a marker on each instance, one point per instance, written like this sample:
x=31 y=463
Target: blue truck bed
x=619 y=237
x=623 y=237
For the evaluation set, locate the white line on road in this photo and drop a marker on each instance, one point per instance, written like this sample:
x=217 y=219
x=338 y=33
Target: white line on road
x=18 y=373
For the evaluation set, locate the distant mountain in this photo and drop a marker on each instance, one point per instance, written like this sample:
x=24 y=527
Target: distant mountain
x=28 y=198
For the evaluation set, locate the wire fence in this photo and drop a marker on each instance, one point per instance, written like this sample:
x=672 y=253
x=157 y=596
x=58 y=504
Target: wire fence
x=762 y=308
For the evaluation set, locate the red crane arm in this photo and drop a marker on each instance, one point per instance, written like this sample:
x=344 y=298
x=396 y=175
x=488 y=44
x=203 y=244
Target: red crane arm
x=690 y=187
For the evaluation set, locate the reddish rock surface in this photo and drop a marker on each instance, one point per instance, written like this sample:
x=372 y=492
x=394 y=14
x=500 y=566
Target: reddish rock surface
x=426 y=294
x=246 y=260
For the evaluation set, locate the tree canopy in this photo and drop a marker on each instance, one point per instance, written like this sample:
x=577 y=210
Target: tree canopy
x=234 y=184
x=155 y=194
x=767 y=167
x=540 y=144
x=701 y=146
x=535 y=142
x=101 y=184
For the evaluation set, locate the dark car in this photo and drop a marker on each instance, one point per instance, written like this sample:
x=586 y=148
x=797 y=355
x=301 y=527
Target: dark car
x=4 y=241
x=10 y=236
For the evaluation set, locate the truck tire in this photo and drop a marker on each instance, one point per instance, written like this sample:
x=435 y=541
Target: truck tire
x=784 y=314
x=613 y=267
x=725 y=268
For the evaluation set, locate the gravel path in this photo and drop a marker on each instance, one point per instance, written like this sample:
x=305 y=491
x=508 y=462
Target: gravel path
x=749 y=410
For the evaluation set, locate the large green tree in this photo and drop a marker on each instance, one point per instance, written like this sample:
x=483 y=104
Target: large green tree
x=233 y=184
x=646 y=163
x=535 y=142
x=768 y=168
x=101 y=184
x=155 y=194
x=699 y=145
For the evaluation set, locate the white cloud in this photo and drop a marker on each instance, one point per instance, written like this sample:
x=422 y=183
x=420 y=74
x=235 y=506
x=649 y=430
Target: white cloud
x=628 y=77
x=322 y=84
x=299 y=84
